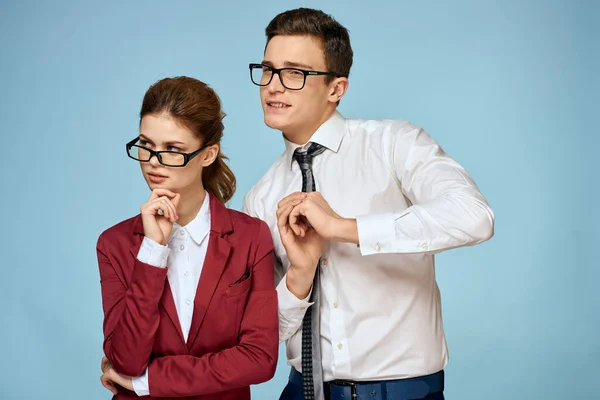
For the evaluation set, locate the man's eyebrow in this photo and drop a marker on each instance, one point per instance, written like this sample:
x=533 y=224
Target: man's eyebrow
x=290 y=64
x=297 y=65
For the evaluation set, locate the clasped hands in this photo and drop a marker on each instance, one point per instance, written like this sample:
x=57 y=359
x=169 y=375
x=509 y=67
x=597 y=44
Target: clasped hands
x=305 y=221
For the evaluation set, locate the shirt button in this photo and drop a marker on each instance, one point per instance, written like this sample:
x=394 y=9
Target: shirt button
x=340 y=346
x=325 y=262
x=181 y=247
x=186 y=273
x=377 y=247
x=424 y=247
x=181 y=233
x=335 y=305
x=302 y=308
x=188 y=302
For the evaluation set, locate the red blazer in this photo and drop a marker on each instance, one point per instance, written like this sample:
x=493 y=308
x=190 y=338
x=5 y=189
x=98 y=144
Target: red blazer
x=233 y=339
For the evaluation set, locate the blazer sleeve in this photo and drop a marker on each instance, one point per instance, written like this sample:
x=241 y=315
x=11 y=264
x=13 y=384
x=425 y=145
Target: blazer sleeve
x=130 y=307
x=252 y=361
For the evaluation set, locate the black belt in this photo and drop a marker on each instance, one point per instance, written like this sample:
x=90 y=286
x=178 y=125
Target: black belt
x=398 y=389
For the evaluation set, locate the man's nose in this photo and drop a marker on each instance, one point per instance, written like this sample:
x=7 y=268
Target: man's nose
x=275 y=85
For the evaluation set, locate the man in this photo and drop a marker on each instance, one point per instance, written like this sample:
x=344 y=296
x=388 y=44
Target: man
x=357 y=210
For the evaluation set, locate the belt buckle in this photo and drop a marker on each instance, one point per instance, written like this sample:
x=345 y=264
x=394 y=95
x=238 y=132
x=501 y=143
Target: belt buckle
x=347 y=383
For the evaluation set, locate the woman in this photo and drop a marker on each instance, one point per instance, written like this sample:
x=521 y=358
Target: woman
x=190 y=307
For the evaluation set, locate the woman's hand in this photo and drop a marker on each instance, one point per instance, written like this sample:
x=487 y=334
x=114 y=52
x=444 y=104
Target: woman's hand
x=158 y=215
x=105 y=364
x=110 y=378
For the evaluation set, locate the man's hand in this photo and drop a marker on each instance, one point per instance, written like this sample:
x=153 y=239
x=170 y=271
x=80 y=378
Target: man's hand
x=315 y=212
x=303 y=249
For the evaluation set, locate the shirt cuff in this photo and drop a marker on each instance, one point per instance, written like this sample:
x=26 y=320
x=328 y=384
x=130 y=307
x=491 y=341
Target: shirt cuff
x=376 y=233
x=391 y=233
x=288 y=301
x=291 y=310
x=140 y=384
x=152 y=253
x=289 y=304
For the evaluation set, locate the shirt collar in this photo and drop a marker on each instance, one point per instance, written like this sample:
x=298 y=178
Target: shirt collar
x=329 y=134
x=199 y=227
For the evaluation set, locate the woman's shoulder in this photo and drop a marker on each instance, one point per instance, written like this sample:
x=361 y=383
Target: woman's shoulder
x=122 y=230
x=243 y=220
x=250 y=231
x=252 y=228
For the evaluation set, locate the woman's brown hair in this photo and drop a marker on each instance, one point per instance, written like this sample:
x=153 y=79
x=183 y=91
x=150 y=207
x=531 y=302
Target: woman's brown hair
x=196 y=106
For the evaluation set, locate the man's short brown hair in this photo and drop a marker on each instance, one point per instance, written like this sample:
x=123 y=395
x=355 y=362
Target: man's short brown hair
x=333 y=36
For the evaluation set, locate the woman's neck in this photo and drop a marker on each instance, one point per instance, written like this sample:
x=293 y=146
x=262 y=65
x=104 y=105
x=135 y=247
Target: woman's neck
x=190 y=204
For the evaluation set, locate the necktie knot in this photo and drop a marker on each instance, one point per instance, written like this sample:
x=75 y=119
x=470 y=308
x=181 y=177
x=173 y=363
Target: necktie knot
x=304 y=157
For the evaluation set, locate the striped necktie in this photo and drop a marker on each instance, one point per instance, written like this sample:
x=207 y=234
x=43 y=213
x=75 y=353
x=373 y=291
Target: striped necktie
x=312 y=375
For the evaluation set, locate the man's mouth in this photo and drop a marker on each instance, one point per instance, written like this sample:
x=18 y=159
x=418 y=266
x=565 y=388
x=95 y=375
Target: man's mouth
x=276 y=104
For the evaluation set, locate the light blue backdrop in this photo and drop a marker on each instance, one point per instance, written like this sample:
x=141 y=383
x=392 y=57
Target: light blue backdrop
x=507 y=88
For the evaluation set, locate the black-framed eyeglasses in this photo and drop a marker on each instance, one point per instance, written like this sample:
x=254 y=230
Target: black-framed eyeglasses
x=290 y=78
x=166 y=158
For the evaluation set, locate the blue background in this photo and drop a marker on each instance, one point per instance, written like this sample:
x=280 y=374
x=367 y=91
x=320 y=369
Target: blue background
x=507 y=88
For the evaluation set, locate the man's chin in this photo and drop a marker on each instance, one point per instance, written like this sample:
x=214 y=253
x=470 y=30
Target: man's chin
x=275 y=122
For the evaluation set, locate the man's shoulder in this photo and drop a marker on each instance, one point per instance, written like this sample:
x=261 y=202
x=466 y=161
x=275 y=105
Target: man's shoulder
x=269 y=178
x=272 y=173
x=378 y=126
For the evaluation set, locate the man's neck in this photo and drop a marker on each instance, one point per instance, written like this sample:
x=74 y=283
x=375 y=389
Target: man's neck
x=303 y=133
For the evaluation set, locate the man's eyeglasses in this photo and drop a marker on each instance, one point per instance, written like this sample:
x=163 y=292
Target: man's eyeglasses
x=166 y=158
x=290 y=78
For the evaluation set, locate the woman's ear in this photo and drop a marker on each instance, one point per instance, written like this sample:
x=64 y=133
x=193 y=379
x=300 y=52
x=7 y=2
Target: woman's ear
x=210 y=155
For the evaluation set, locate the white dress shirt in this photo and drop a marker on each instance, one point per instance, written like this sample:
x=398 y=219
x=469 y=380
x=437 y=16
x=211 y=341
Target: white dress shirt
x=380 y=304
x=183 y=256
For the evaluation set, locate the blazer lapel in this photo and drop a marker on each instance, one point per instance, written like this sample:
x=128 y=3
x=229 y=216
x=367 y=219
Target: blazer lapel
x=216 y=258
x=168 y=303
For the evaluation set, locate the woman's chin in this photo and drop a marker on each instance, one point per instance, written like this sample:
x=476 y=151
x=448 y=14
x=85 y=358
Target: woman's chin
x=155 y=185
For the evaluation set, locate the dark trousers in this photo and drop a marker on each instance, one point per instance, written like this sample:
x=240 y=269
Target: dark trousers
x=293 y=391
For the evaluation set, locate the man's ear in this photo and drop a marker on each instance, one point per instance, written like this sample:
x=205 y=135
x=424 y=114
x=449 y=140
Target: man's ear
x=338 y=86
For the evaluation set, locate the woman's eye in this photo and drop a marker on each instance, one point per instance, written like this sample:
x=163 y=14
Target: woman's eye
x=144 y=143
x=173 y=148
